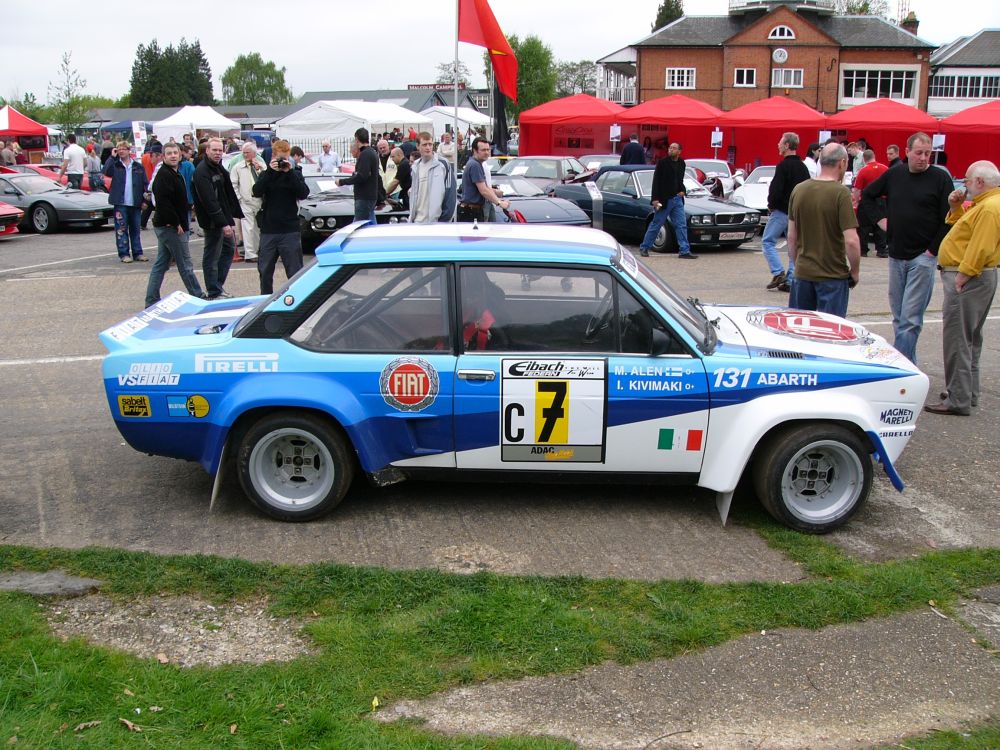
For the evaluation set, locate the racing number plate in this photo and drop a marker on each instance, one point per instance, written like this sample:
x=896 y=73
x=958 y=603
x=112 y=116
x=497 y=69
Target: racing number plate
x=553 y=410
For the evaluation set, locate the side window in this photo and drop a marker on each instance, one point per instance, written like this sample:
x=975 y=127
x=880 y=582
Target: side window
x=382 y=310
x=536 y=309
x=615 y=182
x=636 y=325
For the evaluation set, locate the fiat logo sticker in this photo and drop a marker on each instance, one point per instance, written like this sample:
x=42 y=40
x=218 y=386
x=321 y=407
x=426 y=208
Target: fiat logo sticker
x=805 y=324
x=409 y=384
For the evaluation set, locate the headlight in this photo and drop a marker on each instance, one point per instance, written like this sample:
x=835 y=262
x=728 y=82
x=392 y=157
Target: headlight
x=331 y=223
x=753 y=218
x=317 y=223
x=699 y=220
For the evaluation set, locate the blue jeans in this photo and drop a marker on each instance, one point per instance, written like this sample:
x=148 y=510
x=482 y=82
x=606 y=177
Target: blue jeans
x=775 y=229
x=911 y=284
x=673 y=210
x=127 y=231
x=216 y=259
x=171 y=246
x=364 y=209
x=829 y=296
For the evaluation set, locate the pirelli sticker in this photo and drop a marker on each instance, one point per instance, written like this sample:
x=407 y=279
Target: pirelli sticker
x=553 y=410
x=134 y=406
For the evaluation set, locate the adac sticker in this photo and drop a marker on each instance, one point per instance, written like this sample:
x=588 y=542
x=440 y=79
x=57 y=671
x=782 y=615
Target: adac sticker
x=134 y=406
x=188 y=406
x=804 y=324
x=409 y=384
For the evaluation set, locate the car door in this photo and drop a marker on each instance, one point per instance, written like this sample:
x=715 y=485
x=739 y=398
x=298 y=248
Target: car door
x=618 y=205
x=380 y=348
x=546 y=371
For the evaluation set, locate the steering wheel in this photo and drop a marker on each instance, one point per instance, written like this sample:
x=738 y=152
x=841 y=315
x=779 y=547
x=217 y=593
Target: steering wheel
x=600 y=319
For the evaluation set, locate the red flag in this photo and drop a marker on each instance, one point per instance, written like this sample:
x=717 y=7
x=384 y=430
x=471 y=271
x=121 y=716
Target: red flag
x=477 y=25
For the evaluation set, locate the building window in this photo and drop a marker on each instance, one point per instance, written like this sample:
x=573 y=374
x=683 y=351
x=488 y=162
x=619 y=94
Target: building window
x=941 y=86
x=680 y=78
x=879 y=84
x=964 y=87
x=786 y=78
x=746 y=77
x=781 y=32
x=482 y=101
x=991 y=87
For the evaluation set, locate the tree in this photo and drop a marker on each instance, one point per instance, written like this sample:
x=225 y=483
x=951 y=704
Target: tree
x=67 y=108
x=669 y=11
x=251 y=80
x=28 y=106
x=536 y=73
x=170 y=77
x=863 y=8
x=576 y=78
x=446 y=73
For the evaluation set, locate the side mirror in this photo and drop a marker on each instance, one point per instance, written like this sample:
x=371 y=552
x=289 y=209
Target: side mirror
x=10 y=191
x=630 y=191
x=740 y=173
x=659 y=343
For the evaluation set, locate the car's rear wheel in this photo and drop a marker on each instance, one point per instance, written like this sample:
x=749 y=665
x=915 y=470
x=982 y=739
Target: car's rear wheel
x=665 y=241
x=294 y=466
x=813 y=478
x=44 y=219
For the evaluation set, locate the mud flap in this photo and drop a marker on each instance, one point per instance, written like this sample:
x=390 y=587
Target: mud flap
x=723 y=501
x=217 y=484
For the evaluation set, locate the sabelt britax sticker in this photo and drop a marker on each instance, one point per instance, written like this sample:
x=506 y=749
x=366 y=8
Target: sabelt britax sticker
x=134 y=406
x=804 y=324
x=409 y=384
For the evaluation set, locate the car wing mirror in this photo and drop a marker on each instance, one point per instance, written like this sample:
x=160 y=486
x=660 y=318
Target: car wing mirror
x=10 y=191
x=659 y=343
x=630 y=191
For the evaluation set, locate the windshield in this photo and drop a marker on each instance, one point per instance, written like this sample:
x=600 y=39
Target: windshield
x=710 y=166
x=257 y=309
x=761 y=176
x=319 y=185
x=34 y=184
x=539 y=168
x=597 y=161
x=517 y=186
x=646 y=184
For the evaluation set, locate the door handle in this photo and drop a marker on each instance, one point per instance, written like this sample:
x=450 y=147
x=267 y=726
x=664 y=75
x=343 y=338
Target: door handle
x=484 y=375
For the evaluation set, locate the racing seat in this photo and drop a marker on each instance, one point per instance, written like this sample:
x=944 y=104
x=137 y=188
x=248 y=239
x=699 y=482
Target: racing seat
x=483 y=312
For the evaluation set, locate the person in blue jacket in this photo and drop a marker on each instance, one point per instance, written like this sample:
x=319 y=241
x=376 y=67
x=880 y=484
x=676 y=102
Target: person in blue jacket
x=128 y=185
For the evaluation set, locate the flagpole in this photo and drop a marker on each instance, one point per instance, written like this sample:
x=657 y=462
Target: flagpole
x=454 y=122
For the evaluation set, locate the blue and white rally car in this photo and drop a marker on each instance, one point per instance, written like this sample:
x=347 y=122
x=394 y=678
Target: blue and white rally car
x=509 y=351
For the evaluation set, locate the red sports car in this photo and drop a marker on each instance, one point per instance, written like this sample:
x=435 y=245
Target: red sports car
x=10 y=217
x=51 y=171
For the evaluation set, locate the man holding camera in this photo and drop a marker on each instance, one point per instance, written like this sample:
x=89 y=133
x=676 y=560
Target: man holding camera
x=217 y=208
x=280 y=189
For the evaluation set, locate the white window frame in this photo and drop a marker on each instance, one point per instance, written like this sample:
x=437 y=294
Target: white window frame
x=688 y=74
x=780 y=78
x=850 y=101
x=782 y=32
x=745 y=85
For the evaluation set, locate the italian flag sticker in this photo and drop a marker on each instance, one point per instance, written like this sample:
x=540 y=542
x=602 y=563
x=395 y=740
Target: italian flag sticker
x=668 y=443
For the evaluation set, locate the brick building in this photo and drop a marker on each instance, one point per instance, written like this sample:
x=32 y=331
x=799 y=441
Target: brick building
x=764 y=48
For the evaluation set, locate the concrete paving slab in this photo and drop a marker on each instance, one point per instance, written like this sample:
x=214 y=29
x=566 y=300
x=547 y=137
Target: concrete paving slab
x=839 y=688
x=48 y=583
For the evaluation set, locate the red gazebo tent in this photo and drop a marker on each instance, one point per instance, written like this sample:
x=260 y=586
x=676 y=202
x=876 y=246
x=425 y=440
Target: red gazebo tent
x=755 y=129
x=883 y=122
x=13 y=123
x=573 y=125
x=681 y=119
x=971 y=135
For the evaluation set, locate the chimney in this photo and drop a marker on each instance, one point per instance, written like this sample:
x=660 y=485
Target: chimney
x=910 y=23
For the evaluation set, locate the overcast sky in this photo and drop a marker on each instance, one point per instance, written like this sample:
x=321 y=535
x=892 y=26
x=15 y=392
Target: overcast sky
x=334 y=45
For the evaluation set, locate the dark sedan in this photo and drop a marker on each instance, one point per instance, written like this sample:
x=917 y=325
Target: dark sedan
x=711 y=222
x=47 y=205
x=529 y=204
x=330 y=207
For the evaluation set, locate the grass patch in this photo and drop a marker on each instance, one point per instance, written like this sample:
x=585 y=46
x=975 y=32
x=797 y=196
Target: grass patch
x=407 y=634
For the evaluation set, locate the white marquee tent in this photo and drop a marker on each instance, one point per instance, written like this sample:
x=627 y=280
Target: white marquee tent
x=191 y=119
x=467 y=118
x=340 y=118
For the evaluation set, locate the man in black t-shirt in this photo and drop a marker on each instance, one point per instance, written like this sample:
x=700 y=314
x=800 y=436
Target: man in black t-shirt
x=917 y=203
x=403 y=177
x=365 y=178
x=667 y=197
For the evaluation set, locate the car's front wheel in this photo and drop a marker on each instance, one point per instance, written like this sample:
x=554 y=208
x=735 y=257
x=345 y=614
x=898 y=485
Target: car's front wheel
x=44 y=219
x=813 y=478
x=665 y=241
x=294 y=466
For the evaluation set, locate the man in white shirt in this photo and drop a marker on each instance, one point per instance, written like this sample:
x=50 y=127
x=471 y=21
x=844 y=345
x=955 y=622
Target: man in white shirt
x=73 y=161
x=329 y=161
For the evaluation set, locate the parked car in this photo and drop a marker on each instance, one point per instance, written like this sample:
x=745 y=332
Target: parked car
x=51 y=172
x=412 y=352
x=545 y=171
x=47 y=205
x=529 y=204
x=753 y=192
x=628 y=210
x=719 y=178
x=596 y=161
x=329 y=208
x=10 y=217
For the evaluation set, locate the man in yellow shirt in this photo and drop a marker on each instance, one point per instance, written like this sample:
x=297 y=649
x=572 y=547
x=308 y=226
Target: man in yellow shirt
x=968 y=259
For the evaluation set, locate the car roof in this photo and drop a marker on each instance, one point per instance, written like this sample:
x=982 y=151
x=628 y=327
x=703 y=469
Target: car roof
x=359 y=243
x=625 y=168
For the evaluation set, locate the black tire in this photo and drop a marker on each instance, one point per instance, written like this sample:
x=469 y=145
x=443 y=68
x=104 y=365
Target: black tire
x=294 y=466
x=666 y=240
x=813 y=477
x=43 y=218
